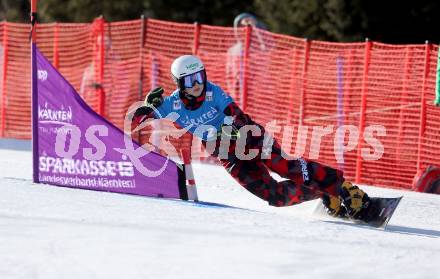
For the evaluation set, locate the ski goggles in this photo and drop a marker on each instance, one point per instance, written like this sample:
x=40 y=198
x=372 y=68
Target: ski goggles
x=189 y=80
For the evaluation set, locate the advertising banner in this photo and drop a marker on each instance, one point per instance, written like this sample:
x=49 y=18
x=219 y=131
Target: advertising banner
x=79 y=148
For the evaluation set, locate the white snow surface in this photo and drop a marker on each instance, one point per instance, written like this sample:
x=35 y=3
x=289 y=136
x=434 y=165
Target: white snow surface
x=56 y=232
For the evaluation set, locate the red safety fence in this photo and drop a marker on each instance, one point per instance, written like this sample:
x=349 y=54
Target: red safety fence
x=302 y=88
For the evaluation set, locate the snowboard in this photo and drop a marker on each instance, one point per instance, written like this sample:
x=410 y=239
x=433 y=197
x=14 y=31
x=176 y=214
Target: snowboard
x=378 y=215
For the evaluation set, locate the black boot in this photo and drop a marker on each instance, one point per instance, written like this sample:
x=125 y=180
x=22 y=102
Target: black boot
x=355 y=201
x=334 y=206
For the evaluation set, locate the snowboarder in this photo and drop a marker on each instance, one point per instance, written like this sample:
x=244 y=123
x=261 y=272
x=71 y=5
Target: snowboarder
x=199 y=102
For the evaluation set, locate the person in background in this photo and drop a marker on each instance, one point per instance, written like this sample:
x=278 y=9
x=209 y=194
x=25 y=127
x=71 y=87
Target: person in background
x=235 y=54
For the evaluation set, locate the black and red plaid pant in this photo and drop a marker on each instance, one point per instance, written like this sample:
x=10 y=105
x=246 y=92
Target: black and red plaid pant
x=305 y=180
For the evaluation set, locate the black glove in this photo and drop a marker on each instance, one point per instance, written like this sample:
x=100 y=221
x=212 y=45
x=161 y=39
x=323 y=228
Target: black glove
x=154 y=98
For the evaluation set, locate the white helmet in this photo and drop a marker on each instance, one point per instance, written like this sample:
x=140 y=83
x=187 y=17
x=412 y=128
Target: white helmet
x=184 y=66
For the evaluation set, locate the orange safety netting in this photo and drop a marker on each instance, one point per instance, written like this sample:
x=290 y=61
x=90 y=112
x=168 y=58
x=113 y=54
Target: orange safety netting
x=300 y=88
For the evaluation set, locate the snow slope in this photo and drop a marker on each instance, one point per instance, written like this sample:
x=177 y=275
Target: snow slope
x=55 y=232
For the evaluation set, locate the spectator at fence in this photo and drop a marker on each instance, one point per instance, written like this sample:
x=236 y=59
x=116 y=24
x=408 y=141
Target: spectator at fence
x=115 y=83
x=235 y=55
